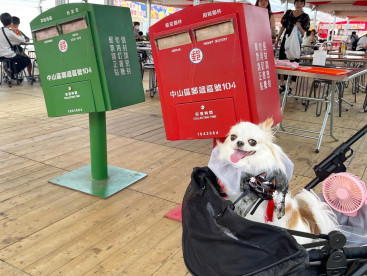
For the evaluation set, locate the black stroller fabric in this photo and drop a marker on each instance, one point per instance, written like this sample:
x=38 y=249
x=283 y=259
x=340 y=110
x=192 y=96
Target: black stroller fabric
x=217 y=241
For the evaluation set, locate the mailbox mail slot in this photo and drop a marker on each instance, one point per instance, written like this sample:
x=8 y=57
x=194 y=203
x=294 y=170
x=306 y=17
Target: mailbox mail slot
x=90 y=48
x=218 y=55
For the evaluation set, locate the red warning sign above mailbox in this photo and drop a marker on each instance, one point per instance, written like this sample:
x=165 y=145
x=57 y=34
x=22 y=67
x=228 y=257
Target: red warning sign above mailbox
x=214 y=69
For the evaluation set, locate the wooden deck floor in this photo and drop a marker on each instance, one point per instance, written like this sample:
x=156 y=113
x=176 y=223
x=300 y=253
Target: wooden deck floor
x=46 y=229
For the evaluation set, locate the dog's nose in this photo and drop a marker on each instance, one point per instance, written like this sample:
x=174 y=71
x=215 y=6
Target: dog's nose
x=240 y=143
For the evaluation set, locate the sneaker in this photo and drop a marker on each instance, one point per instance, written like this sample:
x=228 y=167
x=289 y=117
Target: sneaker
x=281 y=88
x=289 y=91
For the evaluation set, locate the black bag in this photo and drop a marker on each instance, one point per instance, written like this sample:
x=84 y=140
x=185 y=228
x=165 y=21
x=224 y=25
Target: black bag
x=355 y=43
x=217 y=241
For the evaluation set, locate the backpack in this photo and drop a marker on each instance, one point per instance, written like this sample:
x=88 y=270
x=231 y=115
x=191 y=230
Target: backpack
x=355 y=43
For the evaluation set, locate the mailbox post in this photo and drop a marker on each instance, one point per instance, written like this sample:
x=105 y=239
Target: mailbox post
x=215 y=67
x=88 y=63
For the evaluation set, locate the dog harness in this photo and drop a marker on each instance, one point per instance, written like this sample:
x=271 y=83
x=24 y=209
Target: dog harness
x=264 y=189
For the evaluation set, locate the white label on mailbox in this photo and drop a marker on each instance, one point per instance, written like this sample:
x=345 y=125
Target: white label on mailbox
x=196 y=55
x=63 y=45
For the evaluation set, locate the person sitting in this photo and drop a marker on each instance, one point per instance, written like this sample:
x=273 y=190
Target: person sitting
x=362 y=44
x=308 y=41
x=7 y=39
x=15 y=21
x=138 y=34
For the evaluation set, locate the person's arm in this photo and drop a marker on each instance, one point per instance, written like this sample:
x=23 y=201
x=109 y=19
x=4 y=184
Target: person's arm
x=272 y=26
x=304 y=25
x=26 y=37
x=300 y=28
x=313 y=38
x=279 y=36
x=14 y=39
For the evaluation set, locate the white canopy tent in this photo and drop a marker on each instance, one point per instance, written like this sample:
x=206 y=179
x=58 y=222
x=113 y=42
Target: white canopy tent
x=26 y=10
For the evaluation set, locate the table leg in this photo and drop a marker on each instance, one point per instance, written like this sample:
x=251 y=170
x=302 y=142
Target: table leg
x=284 y=100
x=333 y=89
x=329 y=112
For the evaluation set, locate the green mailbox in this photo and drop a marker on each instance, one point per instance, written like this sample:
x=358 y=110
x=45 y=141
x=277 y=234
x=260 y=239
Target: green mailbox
x=87 y=58
x=88 y=63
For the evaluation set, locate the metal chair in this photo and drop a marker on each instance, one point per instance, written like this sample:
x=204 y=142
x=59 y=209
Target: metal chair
x=153 y=87
x=5 y=65
x=32 y=56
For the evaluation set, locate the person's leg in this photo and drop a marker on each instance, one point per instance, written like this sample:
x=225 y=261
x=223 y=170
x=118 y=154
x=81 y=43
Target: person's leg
x=19 y=62
x=29 y=69
x=282 y=56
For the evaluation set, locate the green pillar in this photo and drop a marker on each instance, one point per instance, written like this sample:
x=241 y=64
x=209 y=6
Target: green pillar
x=98 y=145
x=98 y=178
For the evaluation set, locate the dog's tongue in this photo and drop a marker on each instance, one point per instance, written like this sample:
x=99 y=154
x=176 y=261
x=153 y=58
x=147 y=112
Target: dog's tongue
x=238 y=155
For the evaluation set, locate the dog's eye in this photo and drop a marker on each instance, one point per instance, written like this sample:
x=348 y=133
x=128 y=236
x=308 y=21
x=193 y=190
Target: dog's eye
x=252 y=142
x=233 y=137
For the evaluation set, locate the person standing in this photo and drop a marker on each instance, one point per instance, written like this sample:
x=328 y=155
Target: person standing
x=353 y=37
x=266 y=4
x=289 y=20
x=7 y=39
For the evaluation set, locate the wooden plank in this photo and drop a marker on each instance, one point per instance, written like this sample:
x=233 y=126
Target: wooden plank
x=28 y=182
x=20 y=164
x=143 y=129
x=29 y=201
x=173 y=266
x=28 y=132
x=86 y=242
x=156 y=257
x=131 y=120
x=67 y=228
x=42 y=139
x=20 y=172
x=7 y=269
x=56 y=148
x=129 y=250
x=175 y=173
x=16 y=230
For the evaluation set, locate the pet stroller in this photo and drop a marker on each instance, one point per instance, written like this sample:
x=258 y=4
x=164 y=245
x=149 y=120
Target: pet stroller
x=217 y=241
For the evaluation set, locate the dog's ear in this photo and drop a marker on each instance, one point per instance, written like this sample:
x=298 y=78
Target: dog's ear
x=267 y=124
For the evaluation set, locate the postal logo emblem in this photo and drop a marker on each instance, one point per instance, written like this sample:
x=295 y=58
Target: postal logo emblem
x=196 y=55
x=63 y=45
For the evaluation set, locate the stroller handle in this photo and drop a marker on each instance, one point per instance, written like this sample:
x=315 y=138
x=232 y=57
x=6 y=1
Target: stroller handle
x=349 y=252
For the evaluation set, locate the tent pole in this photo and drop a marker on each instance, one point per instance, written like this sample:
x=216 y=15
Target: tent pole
x=149 y=14
x=314 y=18
x=346 y=29
x=332 y=33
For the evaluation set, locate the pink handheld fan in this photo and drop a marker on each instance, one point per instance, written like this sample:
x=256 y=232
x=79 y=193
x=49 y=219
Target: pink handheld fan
x=345 y=193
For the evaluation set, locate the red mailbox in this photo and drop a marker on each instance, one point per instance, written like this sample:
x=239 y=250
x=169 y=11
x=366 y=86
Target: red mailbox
x=215 y=67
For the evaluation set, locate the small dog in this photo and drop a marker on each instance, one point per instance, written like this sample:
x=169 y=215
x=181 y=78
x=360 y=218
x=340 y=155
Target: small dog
x=250 y=166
